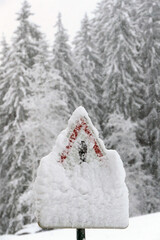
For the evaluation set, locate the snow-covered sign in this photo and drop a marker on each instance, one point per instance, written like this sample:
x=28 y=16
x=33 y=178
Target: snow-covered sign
x=81 y=184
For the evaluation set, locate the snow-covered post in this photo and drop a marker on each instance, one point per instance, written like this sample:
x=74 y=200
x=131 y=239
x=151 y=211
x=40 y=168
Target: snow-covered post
x=80 y=234
x=81 y=184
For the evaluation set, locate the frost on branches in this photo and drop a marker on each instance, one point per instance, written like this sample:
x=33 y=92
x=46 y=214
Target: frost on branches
x=80 y=184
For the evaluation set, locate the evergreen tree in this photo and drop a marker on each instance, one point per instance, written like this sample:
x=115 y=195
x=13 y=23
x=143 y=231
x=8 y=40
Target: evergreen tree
x=149 y=131
x=119 y=41
x=100 y=27
x=14 y=169
x=3 y=59
x=26 y=36
x=3 y=88
x=149 y=22
x=63 y=62
x=90 y=67
x=4 y=49
x=123 y=86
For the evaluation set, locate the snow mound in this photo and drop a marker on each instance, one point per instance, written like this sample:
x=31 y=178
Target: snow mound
x=79 y=187
x=29 y=229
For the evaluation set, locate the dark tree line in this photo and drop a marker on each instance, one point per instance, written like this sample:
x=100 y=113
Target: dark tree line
x=112 y=69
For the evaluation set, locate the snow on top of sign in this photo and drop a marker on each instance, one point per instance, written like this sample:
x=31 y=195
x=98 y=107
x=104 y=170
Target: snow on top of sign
x=71 y=192
x=79 y=113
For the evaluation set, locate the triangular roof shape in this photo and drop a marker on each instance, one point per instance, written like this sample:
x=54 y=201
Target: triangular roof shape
x=81 y=184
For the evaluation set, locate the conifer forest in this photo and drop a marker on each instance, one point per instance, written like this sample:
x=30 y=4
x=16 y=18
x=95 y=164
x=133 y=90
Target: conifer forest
x=111 y=68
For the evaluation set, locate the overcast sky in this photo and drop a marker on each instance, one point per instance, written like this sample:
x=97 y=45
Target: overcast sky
x=45 y=13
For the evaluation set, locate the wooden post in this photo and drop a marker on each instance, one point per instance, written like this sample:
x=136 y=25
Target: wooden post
x=80 y=234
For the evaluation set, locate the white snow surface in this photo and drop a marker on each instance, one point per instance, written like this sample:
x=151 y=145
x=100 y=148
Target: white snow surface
x=74 y=194
x=140 y=228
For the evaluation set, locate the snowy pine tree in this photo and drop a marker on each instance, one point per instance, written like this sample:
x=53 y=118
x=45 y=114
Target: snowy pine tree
x=150 y=132
x=26 y=36
x=119 y=41
x=90 y=67
x=63 y=62
x=14 y=168
x=3 y=59
x=3 y=53
x=100 y=27
x=4 y=49
x=123 y=85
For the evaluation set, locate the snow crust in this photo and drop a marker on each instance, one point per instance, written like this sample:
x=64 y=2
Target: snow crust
x=74 y=194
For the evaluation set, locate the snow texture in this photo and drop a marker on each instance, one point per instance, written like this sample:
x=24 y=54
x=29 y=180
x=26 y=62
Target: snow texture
x=71 y=193
x=140 y=228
